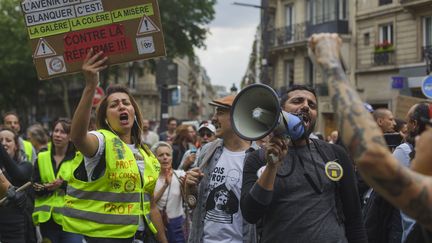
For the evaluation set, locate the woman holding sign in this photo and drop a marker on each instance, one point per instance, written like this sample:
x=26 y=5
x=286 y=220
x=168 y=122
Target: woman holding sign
x=112 y=201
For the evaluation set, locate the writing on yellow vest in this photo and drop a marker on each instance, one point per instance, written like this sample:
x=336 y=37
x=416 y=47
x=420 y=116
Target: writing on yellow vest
x=111 y=205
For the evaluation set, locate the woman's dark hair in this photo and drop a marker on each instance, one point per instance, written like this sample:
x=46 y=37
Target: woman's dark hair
x=136 y=133
x=66 y=124
x=420 y=115
x=399 y=124
x=16 y=156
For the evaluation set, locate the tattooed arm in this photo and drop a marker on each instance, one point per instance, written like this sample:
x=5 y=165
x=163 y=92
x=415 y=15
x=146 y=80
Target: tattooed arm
x=402 y=187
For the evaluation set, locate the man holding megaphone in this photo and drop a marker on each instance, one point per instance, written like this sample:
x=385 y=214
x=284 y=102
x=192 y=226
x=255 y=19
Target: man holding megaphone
x=302 y=189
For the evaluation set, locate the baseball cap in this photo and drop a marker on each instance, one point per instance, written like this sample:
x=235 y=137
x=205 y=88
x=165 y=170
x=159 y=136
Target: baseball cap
x=224 y=102
x=209 y=126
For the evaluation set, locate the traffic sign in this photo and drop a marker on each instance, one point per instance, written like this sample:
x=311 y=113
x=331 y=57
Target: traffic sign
x=427 y=87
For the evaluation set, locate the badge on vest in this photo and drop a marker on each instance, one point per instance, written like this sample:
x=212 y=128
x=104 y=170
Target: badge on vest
x=333 y=170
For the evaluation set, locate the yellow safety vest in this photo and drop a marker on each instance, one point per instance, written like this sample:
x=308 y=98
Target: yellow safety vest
x=110 y=206
x=52 y=205
x=28 y=149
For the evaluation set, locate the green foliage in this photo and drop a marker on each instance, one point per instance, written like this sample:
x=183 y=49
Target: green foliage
x=18 y=79
x=183 y=23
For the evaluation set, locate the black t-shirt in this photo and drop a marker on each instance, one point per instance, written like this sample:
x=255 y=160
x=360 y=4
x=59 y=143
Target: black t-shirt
x=297 y=211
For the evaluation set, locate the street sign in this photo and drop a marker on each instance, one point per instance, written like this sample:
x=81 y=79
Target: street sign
x=427 y=87
x=62 y=32
x=397 y=82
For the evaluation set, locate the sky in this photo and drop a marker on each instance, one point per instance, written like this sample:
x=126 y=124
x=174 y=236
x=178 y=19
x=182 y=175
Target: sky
x=229 y=43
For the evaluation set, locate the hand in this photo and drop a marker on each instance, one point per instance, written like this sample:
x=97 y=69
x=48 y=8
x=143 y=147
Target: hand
x=18 y=199
x=91 y=67
x=193 y=176
x=422 y=161
x=275 y=151
x=325 y=49
x=168 y=178
x=54 y=185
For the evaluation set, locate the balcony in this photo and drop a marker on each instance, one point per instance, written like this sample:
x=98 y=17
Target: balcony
x=287 y=35
x=335 y=26
x=384 y=58
x=426 y=53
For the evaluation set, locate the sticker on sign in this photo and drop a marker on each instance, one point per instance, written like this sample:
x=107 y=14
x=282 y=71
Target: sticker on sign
x=145 y=45
x=55 y=65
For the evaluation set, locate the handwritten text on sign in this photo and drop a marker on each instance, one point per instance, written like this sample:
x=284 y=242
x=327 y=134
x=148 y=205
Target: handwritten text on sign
x=110 y=39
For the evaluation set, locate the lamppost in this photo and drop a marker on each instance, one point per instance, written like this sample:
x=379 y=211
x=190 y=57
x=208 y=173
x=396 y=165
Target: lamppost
x=233 y=89
x=265 y=38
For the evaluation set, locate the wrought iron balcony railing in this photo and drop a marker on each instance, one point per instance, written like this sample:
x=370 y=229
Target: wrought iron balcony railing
x=384 y=58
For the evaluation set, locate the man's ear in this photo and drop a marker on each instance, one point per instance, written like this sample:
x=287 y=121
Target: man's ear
x=379 y=121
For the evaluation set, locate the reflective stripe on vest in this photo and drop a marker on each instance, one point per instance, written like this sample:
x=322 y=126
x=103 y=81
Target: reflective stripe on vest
x=104 y=196
x=102 y=218
x=110 y=206
x=44 y=204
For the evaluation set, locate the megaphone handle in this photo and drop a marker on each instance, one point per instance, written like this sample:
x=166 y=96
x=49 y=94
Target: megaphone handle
x=273 y=158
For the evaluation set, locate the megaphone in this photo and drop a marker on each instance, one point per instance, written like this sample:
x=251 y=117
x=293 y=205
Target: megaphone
x=256 y=112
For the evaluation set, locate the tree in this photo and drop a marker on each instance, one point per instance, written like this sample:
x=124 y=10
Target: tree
x=183 y=23
x=18 y=81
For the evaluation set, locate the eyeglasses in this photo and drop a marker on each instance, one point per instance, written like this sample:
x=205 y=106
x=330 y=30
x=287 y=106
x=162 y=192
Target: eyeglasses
x=203 y=134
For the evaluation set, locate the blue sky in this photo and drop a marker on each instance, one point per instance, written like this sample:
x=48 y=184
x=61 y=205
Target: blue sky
x=230 y=42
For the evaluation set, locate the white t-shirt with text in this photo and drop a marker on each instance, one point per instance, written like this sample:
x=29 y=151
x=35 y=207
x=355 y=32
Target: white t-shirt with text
x=223 y=221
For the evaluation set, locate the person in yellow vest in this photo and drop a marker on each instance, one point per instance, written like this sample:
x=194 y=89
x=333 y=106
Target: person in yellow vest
x=110 y=196
x=52 y=170
x=11 y=120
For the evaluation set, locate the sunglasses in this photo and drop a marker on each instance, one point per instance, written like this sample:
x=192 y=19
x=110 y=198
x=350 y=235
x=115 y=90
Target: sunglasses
x=203 y=134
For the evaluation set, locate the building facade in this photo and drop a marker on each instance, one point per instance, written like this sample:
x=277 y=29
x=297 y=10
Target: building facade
x=394 y=40
x=290 y=24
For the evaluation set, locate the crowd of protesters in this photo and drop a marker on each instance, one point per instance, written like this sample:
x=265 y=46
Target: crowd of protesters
x=109 y=177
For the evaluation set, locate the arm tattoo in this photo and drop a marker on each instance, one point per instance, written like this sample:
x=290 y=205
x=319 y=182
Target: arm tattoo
x=349 y=108
x=395 y=185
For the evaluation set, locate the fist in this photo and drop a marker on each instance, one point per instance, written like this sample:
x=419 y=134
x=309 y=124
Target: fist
x=193 y=177
x=275 y=150
x=325 y=49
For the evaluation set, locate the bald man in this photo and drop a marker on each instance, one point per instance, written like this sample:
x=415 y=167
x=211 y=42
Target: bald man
x=385 y=120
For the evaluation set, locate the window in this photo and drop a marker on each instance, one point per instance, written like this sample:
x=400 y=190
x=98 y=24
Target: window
x=384 y=2
x=309 y=72
x=386 y=33
x=427 y=31
x=322 y=11
x=366 y=39
x=343 y=9
x=289 y=22
x=289 y=73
